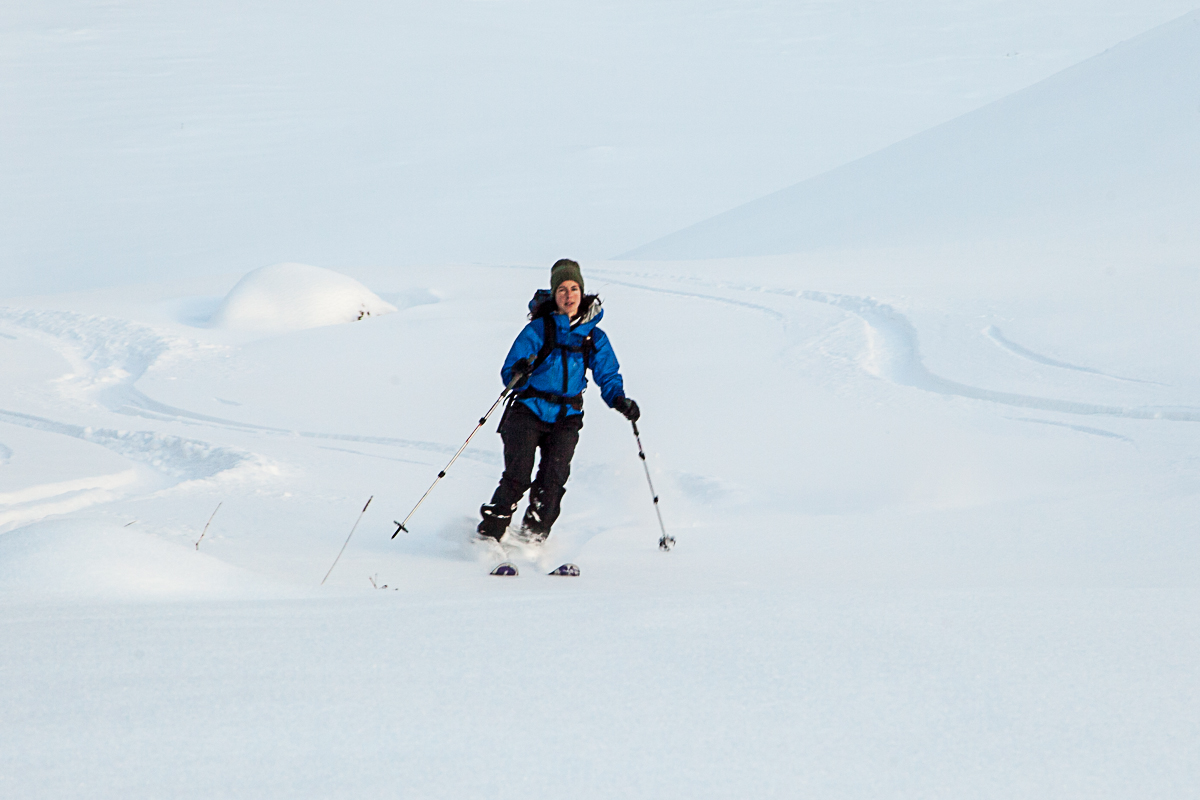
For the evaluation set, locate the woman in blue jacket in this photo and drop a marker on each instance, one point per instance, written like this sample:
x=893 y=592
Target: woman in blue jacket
x=553 y=352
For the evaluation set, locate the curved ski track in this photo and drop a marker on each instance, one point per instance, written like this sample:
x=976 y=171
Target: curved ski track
x=108 y=356
x=993 y=333
x=896 y=355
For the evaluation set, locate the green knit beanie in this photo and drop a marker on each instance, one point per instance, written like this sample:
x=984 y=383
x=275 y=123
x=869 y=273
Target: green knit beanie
x=565 y=270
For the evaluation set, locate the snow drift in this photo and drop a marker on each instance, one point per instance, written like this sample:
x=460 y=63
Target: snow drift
x=291 y=296
x=1105 y=150
x=81 y=559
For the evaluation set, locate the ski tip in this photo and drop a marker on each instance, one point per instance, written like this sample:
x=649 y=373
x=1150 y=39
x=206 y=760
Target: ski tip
x=566 y=569
x=507 y=569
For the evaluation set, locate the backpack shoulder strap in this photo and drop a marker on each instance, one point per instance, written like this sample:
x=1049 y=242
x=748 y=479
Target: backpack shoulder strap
x=549 y=342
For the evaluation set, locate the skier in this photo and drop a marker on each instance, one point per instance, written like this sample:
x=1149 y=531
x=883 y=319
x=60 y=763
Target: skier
x=553 y=353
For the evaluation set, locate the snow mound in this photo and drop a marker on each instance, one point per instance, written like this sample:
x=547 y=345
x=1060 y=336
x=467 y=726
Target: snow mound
x=290 y=296
x=81 y=559
x=1105 y=150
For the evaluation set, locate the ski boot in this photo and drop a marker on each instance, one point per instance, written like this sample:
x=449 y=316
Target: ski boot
x=532 y=530
x=494 y=522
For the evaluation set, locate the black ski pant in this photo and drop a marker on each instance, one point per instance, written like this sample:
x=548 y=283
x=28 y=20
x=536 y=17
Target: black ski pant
x=524 y=433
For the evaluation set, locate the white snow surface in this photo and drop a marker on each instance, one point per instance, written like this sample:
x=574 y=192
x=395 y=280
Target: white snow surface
x=936 y=497
x=1105 y=150
x=200 y=139
x=289 y=296
x=83 y=560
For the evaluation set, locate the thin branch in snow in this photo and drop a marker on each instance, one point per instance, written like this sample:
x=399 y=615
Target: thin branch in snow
x=210 y=519
x=339 y=555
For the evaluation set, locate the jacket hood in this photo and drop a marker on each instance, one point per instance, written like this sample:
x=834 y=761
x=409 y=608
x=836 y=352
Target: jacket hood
x=590 y=310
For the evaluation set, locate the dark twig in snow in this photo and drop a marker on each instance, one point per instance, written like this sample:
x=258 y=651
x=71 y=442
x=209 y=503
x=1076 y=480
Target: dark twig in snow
x=376 y=584
x=339 y=555
x=210 y=519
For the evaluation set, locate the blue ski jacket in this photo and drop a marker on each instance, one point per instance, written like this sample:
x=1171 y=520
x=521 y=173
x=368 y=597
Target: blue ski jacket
x=579 y=347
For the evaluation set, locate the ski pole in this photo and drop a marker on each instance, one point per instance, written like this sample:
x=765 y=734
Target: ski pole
x=517 y=377
x=339 y=555
x=665 y=542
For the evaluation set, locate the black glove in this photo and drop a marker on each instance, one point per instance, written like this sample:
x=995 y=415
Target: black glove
x=522 y=368
x=628 y=408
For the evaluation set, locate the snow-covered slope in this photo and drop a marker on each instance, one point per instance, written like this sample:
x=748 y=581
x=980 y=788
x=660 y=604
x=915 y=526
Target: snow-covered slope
x=142 y=138
x=933 y=539
x=1106 y=150
x=937 y=509
x=83 y=560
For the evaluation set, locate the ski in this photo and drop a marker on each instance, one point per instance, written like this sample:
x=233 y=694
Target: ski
x=507 y=569
x=566 y=569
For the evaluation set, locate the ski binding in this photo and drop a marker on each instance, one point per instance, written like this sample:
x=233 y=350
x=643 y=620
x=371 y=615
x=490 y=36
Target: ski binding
x=507 y=569
x=566 y=569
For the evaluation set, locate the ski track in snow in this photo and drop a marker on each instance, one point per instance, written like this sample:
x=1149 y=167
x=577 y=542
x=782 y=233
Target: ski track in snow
x=108 y=356
x=140 y=405
x=894 y=354
x=372 y=455
x=993 y=333
x=48 y=499
x=105 y=354
x=179 y=460
x=1080 y=428
x=898 y=359
x=174 y=456
x=111 y=355
x=68 y=488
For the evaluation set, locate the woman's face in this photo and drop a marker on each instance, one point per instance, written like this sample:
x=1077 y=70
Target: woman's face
x=567 y=296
